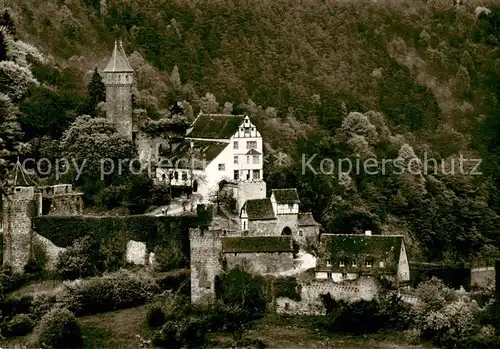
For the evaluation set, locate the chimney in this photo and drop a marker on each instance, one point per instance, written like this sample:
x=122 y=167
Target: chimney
x=368 y=232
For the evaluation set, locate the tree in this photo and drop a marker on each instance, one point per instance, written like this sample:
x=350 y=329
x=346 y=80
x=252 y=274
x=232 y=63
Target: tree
x=209 y=103
x=7 y=21
x=96 y=90
x=95 y=143
x=15 y=80
x=11 y=145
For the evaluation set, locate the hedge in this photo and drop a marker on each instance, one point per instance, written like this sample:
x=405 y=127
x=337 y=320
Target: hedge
x=152 y=230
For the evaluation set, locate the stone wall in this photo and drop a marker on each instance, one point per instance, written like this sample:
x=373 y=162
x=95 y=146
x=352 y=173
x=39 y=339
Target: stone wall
x=18 y=210
x=119 y=101
x=286 y=220
x=206 y=264
x=65 y=205
x=363 y=288
x=249 y=190
x=260 y=263
x=309 y=236
x=262 y=228
x=51 y=251
x=482 y=277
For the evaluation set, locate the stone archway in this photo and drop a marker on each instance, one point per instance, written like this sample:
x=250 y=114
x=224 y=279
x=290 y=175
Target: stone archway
x=286 y=231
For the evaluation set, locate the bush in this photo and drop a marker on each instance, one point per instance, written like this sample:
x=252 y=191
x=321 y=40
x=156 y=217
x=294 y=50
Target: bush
x=41 y=304
x=451 y=326
x=241 y=289
x=59 y=329
x=20 y=325
x=187 y=332
x=15 y=305
x=156 y=317
x=113 y=291
x=79 y=260
x=169 y=256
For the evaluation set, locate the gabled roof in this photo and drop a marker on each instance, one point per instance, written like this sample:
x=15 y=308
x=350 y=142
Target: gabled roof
x=253 y=152
x=118 y=62
x=286 y=196
x=215 y=126
x=255 y=244
x=306 y=219
x=354 y=248
x=202 y=151
x=259 y=209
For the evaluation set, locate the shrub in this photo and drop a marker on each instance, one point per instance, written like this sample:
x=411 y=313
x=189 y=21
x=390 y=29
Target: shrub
x=20 y=325
x=156 y=317
x=239 y=288
x=169 y=256
x=78 y=260
x=393 y=312
x=41 y=304
x=113 y=291
x=59 y=329
x=15 y=305
x=451 y=326
x=187 y=332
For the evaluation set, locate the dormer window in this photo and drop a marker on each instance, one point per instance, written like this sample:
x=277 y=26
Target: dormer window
x=328 y=263
x=381 y=264
x=341 y=264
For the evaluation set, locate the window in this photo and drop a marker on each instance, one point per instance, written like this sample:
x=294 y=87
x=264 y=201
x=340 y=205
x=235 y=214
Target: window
x=176 y=175
x=369 y=263
x=329 y=275
x=255 y=159
x=301 y=233
x=354 y=264
x=236 y=175
x=341 y=264
x=244 y=225
x=328 y=263
x=381 y=264
x=247 y=132
x=256 y=174
x=251 y=144
x=236 y=159
x=344 y=275
x=184 y=176
x=235 y=145
x=222 y=167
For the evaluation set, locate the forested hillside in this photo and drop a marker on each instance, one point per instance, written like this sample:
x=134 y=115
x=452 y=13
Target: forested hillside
x=341 y=79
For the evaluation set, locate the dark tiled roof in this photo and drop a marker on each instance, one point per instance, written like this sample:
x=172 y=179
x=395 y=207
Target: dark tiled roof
x=215 y=126
x=306 y=219
x=259 y=209
x=22 y=178
x=357 y=249
x=118 y=62
x=201 y=151
x=253 y=244
x=253 y=152
x=286 y=196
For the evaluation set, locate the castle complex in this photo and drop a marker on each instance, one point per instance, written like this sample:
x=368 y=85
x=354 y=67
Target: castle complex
x=222 y=151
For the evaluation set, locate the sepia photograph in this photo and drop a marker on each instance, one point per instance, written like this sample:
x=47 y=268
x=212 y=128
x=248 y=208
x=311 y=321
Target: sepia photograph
x=279 y=174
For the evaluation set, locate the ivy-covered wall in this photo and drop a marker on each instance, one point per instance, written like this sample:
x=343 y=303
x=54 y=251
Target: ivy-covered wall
x=152 y=230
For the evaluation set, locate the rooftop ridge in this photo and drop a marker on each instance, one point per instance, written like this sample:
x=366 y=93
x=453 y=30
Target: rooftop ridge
x=361 y=234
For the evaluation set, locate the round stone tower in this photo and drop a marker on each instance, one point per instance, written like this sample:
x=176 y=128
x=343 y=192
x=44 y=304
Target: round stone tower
x=119 y=78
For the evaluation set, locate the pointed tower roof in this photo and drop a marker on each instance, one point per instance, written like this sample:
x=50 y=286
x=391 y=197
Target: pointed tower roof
x=118 y=62
x=21 y=177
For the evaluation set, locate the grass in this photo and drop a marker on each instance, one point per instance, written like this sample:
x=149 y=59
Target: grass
x=119 y=329
x=116 y=329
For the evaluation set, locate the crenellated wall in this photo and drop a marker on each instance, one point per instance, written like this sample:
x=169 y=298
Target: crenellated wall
x=363 y=288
